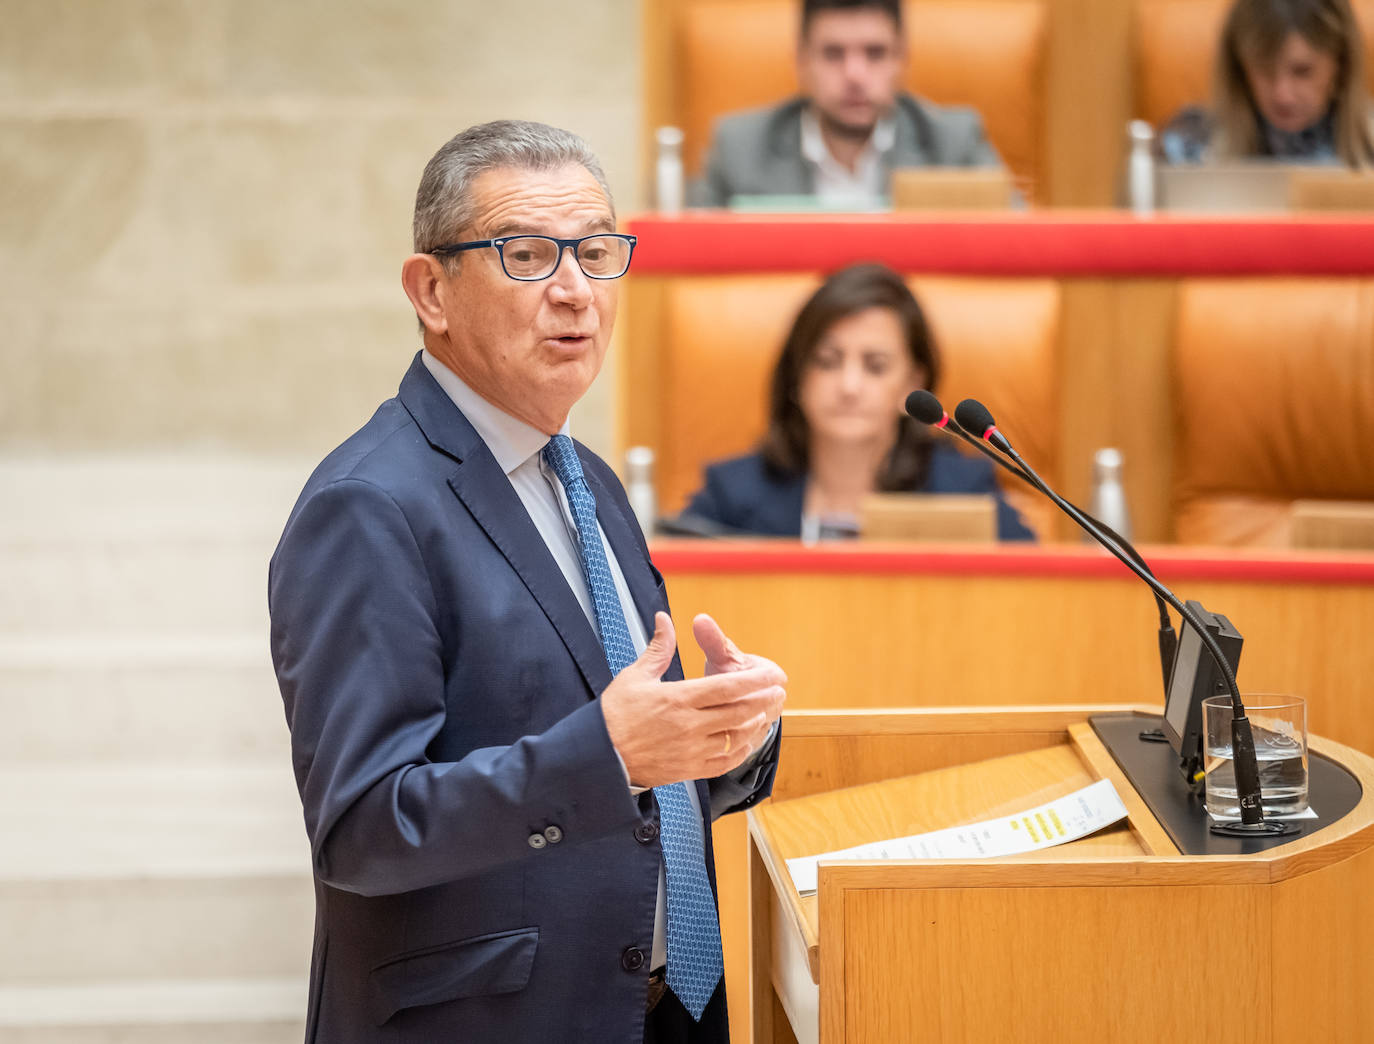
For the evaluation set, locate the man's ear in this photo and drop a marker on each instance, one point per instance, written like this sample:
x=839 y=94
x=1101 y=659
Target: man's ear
x=425 y=283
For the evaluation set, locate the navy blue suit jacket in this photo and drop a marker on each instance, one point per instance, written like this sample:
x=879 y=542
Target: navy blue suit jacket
x=743 y=494
x=482 y=870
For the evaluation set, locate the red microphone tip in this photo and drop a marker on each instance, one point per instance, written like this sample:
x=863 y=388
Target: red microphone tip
x=992 y=430
x=944 y=419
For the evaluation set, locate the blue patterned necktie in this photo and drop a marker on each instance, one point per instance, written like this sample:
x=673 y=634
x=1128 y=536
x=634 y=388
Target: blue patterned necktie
x=695 y=963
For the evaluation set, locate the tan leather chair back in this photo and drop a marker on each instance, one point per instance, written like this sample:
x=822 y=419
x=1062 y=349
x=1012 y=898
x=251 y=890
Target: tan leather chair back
x=1176 y=43
x=721 y=336
x=988 y=54
x=1274 y=396
x=720 y=339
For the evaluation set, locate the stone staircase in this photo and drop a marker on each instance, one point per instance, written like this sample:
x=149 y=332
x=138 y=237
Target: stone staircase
x=154 y=872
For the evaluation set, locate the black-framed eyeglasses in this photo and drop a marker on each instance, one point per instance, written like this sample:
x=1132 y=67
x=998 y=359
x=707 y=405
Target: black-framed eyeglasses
x=605 y=255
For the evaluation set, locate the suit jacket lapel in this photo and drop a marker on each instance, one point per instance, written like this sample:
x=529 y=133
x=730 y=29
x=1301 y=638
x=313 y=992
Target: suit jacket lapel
x=913 y=145
x=487 y=494
x=788 y=171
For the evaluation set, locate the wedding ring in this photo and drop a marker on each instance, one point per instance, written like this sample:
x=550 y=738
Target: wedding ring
x=728 y=743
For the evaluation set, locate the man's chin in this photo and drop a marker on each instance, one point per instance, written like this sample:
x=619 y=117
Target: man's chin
x=856 y=126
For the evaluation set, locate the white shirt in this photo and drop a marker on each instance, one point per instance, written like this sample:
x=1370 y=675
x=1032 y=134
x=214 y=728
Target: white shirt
x=836 y=184
x=518 y=448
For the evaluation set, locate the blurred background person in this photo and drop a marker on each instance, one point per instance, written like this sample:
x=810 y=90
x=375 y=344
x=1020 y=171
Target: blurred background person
x=1289 y=85
x=837 y=430
x=841 y=137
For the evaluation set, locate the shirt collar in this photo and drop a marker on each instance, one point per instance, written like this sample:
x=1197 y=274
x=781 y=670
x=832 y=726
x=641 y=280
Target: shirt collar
x=813 y=145
x=511 y=440
x=1315 y=142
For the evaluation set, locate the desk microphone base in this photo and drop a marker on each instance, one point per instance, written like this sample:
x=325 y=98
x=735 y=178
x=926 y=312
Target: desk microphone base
x=1266 y=828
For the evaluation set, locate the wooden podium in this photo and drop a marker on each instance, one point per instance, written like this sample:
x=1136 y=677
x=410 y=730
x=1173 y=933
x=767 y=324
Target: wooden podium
x=1116 y=937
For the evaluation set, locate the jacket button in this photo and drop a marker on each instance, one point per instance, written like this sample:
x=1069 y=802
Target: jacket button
x=632 y=959
x=646 y=832
x=553 y=834
x=537 y=841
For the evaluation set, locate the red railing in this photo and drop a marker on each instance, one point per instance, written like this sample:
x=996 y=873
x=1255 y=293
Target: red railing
x=1065 y=243
x=865 y=559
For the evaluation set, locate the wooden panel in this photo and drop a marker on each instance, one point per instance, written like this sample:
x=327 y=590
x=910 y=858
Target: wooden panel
x=1003 y=949
x=1337 y=189
x=732 y=891
x=1333 y=524
x=1089 y=100
x=936 y=641
x=635 y=347
x=944 y=517
x=1142 y=422
x=1323 y=925
x=1062 y=964
x=1086 y=389
x=951 y=188
x=913 y=641
x=1115 y=391
x=1149 y=833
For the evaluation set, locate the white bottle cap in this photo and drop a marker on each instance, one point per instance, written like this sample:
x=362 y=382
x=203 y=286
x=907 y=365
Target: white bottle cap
x=1107 y=462
x=639 y=464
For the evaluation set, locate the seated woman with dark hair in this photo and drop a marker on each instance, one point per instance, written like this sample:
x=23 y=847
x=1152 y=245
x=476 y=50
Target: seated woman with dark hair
x=837 y=430
x=1289 y=85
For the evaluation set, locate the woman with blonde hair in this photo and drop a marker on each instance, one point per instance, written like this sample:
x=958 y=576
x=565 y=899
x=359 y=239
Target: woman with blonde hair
x=1289 y=85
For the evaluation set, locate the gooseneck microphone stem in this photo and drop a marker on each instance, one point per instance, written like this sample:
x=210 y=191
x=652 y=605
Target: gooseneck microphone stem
x=1122 y=543
x=924 y=407
x=1242 y=736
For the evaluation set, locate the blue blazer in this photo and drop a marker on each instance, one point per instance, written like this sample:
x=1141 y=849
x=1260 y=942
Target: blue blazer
x=743 y=494
x=482 y=872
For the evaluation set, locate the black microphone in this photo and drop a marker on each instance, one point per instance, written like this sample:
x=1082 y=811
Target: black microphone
x=925 y=407
x=975 y=416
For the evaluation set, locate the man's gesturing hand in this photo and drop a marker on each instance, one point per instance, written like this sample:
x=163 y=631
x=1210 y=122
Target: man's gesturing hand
x=700 y=728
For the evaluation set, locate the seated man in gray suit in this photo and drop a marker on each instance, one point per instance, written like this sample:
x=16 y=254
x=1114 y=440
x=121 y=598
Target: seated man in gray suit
x=841 y=138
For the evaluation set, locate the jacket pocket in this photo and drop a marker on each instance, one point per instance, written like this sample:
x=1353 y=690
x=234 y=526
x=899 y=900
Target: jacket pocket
x=485 y=965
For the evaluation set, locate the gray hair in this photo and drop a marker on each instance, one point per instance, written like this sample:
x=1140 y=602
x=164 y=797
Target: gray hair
x=443 y=203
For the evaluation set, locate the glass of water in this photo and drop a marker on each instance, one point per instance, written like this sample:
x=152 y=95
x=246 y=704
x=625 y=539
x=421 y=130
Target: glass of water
x=1279 y=724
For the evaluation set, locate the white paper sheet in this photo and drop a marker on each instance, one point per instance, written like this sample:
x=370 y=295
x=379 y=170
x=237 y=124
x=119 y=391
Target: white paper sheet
x=1068 y=818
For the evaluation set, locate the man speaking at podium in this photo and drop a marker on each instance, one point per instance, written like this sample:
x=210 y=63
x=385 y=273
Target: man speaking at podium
x=507 y=785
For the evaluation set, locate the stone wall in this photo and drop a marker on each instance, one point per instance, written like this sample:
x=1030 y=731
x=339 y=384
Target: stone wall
x=204 y=203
